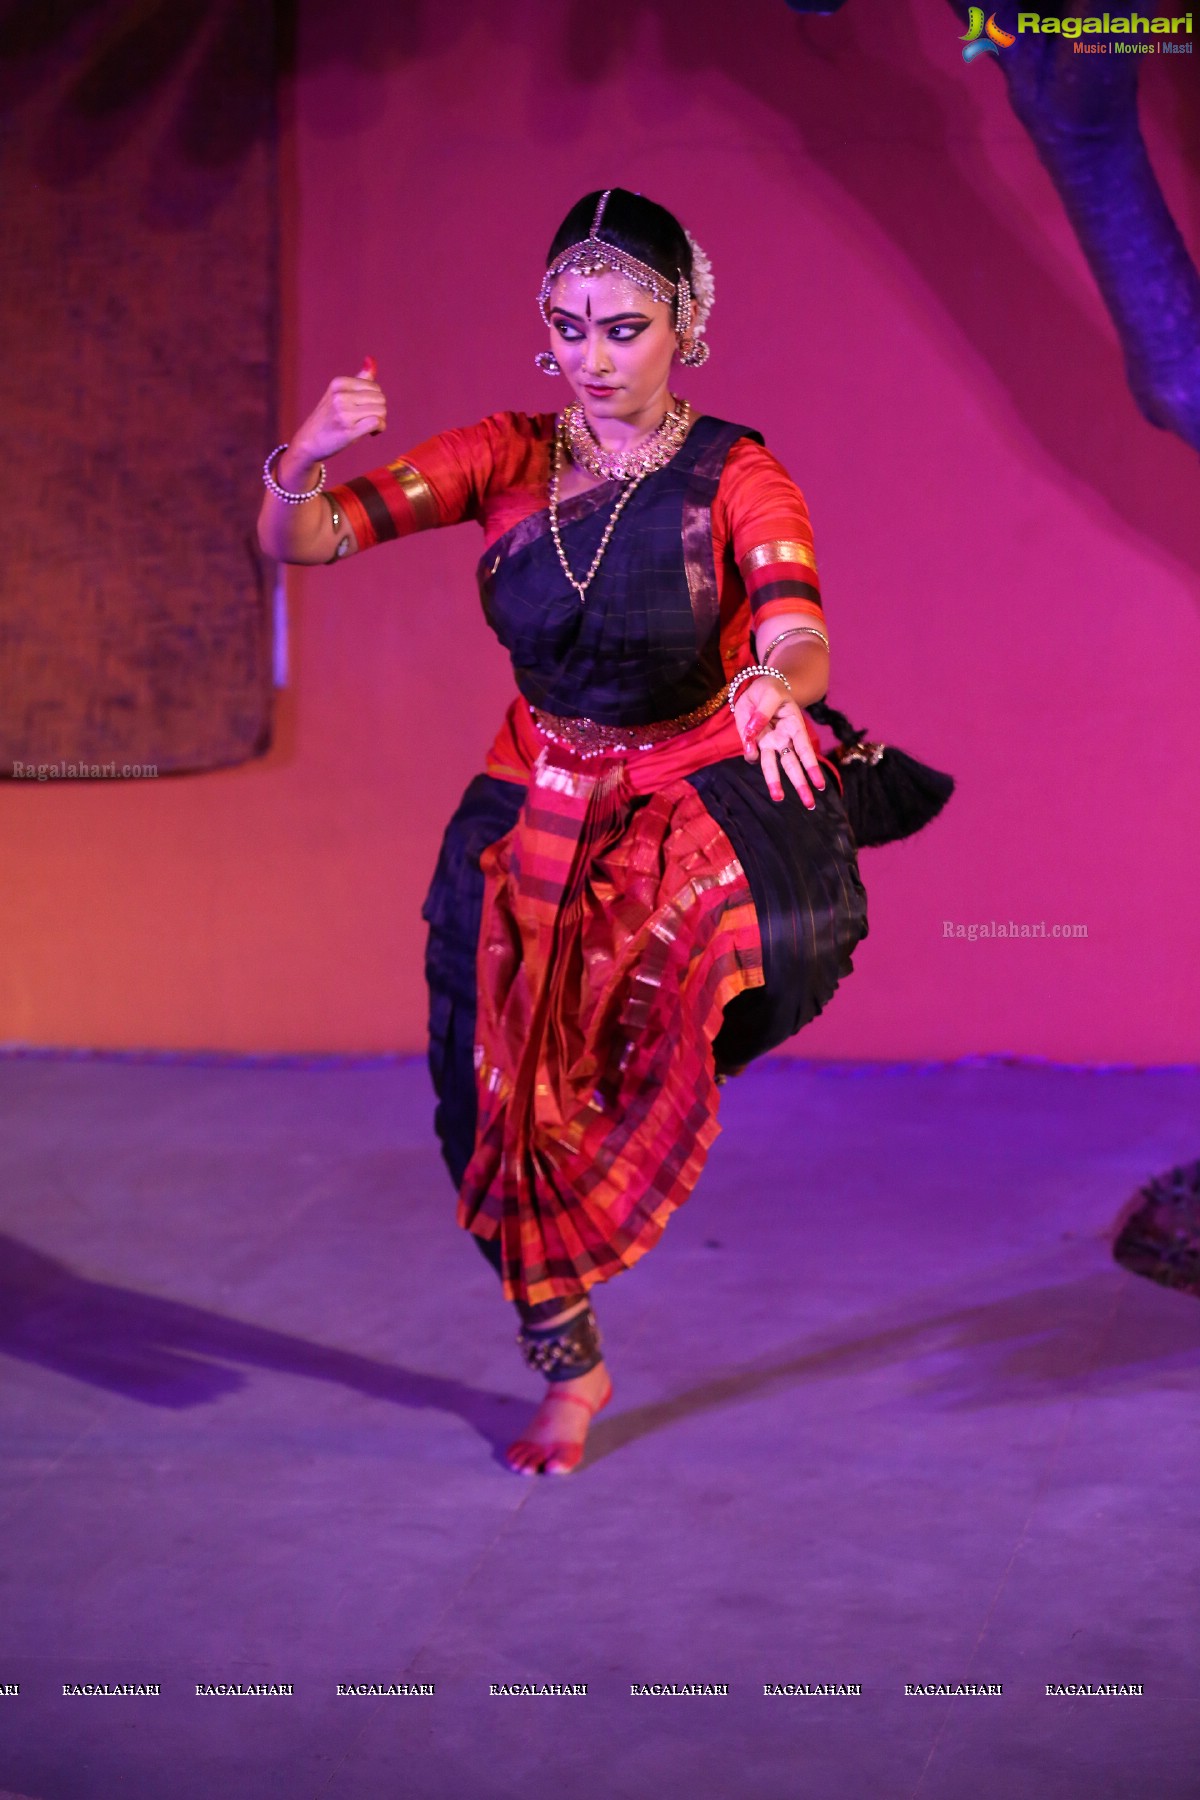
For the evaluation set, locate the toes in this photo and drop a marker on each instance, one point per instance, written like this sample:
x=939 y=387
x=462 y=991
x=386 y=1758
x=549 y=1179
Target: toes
x=521 y=1457
x=562 y=1462
x=526 y=1458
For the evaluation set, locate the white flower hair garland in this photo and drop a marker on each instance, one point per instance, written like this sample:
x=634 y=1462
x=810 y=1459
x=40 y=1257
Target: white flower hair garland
x=702 y=285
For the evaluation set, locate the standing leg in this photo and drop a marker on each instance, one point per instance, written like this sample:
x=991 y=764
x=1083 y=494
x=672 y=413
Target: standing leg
x=559 y=1339
x=566 y=1349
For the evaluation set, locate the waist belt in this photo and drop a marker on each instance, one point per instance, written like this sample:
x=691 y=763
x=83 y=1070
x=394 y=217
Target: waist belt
x=588 y=737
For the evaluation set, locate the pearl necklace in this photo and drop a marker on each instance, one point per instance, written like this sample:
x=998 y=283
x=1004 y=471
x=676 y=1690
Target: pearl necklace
x=655 y=453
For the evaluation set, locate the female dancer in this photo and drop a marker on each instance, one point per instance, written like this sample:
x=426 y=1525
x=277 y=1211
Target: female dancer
x=652 y=881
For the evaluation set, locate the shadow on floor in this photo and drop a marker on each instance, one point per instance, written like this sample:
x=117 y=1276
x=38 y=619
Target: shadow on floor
x=1041 y=1344
x=167 y=1353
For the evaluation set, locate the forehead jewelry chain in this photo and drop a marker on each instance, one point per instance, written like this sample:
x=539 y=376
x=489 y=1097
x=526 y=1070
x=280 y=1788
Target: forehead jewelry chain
x=581 y=587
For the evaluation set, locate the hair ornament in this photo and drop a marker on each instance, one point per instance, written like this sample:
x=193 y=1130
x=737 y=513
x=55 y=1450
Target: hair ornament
x=703 y=287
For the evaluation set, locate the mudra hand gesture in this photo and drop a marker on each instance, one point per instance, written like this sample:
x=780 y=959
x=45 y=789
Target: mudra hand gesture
x=774 y=733
x=352 y=407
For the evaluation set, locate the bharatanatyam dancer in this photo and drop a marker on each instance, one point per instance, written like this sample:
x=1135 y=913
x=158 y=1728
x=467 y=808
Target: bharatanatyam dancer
x=653 y=879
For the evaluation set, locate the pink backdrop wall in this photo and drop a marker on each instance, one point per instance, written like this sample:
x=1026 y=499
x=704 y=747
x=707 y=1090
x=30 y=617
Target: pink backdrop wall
x=1008 y=552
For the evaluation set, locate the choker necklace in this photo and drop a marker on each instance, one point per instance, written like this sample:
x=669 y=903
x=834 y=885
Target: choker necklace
x=618 y=465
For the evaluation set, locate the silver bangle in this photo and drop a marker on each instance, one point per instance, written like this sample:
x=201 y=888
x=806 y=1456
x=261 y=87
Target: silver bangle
x=795 y=631
x=281 y=493
x=755 y=669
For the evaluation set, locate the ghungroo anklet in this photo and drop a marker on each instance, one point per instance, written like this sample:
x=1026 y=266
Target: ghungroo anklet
x=561 y=1352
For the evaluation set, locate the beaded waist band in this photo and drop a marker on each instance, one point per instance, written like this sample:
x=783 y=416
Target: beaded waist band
x=590 y=738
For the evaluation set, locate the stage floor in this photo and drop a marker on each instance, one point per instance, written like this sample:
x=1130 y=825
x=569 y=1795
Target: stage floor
x=887 y=1415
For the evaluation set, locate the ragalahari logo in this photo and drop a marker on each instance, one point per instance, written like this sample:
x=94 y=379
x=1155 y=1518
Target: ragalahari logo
x=985 y=38
x=1100 y=34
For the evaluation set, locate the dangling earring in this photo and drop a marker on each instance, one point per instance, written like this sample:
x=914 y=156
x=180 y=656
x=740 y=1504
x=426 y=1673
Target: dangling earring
x=684 y=310
x=547 y=362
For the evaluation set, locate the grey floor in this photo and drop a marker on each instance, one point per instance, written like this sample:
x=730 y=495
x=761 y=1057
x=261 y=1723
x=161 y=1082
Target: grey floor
x=886 y=1413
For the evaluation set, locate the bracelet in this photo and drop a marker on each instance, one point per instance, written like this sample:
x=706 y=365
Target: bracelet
x=281 y=493
x=794 y=631
x=755 y=669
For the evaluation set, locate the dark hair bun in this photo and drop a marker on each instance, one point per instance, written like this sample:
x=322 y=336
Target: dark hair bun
x=634 y=224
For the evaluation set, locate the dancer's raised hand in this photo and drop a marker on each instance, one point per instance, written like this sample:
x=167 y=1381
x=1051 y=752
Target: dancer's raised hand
x=352 y=406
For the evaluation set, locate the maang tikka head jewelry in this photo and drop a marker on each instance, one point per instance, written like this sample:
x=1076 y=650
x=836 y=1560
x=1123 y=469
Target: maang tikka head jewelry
x=592 y=255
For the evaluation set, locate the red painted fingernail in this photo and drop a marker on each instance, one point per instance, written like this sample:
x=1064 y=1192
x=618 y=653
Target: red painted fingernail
x=371 y=366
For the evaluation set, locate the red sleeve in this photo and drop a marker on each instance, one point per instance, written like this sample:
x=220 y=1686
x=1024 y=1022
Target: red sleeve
x=441 y=481
x=760 y=512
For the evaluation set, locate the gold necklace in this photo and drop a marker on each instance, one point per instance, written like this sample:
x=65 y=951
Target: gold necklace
x=581 y=587
x=652 y=453
x=632 y=466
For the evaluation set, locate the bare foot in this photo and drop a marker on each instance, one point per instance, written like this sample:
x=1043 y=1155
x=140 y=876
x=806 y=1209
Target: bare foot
x=552 y=1443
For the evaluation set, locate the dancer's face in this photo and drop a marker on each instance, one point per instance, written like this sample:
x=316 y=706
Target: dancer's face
x=614 y=343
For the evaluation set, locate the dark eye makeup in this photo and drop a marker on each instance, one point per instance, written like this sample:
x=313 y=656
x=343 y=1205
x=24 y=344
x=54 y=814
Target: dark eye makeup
x=566 y=330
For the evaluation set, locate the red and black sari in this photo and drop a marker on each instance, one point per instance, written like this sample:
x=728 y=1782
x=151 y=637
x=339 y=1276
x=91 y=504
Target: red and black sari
x=610 y=930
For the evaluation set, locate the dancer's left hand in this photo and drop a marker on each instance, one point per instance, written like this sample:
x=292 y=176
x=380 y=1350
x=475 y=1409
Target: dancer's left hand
x=774 y=733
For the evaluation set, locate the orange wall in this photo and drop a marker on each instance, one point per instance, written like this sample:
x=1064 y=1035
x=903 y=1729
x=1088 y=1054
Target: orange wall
x=1008 y=551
